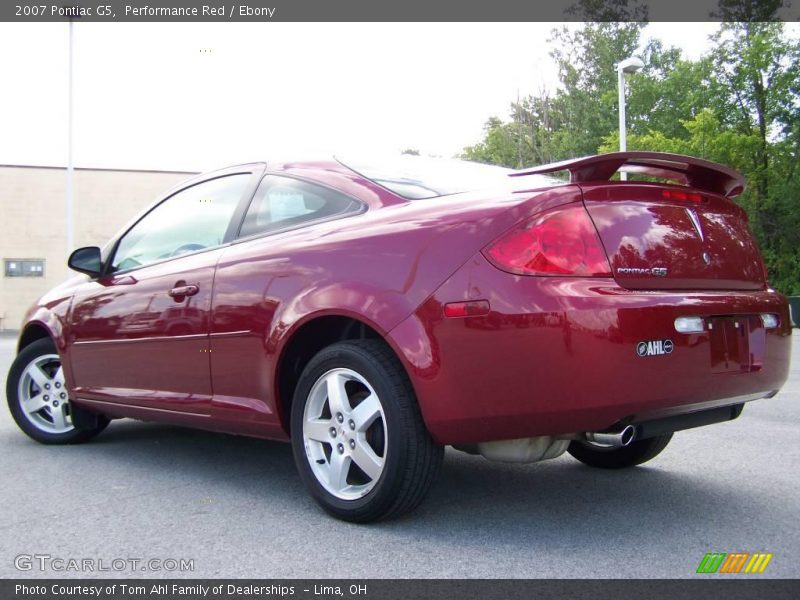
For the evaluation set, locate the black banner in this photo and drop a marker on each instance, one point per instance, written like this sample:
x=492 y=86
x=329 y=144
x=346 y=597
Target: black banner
x=383 y=589
x=408 y=10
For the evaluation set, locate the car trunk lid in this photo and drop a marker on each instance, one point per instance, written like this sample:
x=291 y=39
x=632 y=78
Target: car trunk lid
x=688 y=236
x=656 y=240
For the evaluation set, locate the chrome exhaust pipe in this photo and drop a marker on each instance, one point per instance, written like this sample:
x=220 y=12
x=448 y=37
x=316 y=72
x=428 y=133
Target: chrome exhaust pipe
x=617 y=439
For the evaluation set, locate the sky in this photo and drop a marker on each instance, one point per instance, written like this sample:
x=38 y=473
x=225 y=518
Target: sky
x=198 y=96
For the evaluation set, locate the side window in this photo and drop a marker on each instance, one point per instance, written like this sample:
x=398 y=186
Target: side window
x=281 y=202
x=192 y=219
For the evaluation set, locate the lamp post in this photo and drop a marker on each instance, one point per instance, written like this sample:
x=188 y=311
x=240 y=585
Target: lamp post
x=629 y=65
x=70 y=167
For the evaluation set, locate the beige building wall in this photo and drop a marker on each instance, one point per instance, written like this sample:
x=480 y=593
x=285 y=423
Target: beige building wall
x=33 y=221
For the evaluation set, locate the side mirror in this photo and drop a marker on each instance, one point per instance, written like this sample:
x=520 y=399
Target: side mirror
x=86 y=260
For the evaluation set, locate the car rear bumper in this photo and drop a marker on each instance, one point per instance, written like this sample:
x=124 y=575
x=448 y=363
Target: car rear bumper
x=558 y=355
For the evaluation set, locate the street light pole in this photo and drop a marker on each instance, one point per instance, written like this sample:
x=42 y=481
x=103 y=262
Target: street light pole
x=623 y=136
x=70 y=169
x=629 y=65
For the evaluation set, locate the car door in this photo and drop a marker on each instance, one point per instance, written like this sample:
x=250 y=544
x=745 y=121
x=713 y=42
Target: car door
x=139 y=333
x=254 y=275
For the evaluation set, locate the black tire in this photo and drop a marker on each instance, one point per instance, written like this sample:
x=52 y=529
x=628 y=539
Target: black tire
x=75 y=435
x=635 y=453
x=411 y=458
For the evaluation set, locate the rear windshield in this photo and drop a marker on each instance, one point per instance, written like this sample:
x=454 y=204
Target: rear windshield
x=417 y=177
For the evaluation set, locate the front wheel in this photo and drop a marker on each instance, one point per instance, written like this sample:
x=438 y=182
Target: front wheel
x=358 y=438
x=38 y=398
x=606 y=457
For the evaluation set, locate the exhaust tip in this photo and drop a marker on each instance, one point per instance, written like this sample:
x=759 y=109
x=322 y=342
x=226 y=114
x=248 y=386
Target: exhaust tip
x=626 y=435
x=616 y=439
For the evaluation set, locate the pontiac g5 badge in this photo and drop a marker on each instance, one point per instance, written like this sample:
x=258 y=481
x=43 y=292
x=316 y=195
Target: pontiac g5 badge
x=654 y=271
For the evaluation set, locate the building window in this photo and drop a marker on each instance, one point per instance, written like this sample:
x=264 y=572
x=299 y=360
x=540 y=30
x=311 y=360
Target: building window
x=24 y=267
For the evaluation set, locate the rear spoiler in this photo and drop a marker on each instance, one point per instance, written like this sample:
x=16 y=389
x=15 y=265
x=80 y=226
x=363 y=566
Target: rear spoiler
x=686 y=170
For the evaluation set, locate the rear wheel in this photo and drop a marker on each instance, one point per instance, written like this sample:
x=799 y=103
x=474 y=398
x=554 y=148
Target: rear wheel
x=607 y=457
x=359 y=441
x=38 y=398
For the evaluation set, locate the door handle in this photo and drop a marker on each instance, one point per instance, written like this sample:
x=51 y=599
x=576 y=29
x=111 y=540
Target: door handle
x=181 y=291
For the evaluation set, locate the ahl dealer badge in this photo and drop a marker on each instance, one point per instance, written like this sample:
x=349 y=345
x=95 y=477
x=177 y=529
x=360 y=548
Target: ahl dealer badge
x=654 y=348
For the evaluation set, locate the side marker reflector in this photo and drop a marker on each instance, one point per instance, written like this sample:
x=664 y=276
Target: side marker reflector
x=473 y=308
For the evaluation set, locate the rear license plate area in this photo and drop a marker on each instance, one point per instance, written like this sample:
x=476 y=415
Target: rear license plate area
x=737 y=343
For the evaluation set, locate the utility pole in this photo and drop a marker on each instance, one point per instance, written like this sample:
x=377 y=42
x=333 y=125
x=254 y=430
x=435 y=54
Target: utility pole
x=519 y=133
x=629 y=65
x=70 y=169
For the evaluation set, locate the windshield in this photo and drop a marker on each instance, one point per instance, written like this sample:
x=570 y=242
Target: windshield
x=417 y=177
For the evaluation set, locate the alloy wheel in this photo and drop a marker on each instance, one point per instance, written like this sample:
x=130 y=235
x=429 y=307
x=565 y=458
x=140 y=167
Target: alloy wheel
x=43 y=395
x=344 y=434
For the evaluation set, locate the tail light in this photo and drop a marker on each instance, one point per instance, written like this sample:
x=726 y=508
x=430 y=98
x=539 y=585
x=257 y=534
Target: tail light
x=559 y=242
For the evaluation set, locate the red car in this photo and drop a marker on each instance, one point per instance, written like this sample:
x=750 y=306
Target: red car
x=373 y=314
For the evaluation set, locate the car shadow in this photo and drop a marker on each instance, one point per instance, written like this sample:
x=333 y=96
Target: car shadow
x=474 y=502
x=558 y=505
x=201 y=454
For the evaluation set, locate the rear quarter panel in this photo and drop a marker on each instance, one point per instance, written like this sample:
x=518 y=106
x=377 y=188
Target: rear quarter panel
x=377 y=267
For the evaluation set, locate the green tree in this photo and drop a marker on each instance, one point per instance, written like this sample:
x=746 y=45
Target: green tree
x=667 y=90
x=586 y=108
x=738 y=105
x=756 y=91
x=574 y=121
x=498 y=147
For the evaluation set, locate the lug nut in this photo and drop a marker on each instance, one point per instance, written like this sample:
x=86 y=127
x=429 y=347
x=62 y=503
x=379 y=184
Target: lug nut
x=332 y=431
x=55 y=403
x=352 y=444
x=352 y=424
x=340 y=448
x=47 y=386
x=63 y=395
x=339 y=417
x=58 y=385
x=46 y=398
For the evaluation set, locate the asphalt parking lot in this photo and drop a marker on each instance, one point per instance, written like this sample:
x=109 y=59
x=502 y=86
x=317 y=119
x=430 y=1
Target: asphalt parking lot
x=236 y=507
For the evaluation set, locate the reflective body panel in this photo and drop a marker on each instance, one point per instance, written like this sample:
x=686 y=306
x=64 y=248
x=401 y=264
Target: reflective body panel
x=554 y=354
